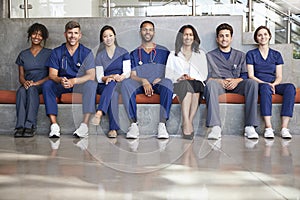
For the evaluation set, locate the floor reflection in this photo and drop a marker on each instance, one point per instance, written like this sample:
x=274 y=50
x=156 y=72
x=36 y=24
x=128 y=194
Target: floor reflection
x=233 y=167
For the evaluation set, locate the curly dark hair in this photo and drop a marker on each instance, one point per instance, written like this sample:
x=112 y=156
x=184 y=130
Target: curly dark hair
x=38 y=27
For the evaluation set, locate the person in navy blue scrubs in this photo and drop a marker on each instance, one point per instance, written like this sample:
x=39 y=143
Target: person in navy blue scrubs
x=265 y=66
x=112 y=67
x=32 y=74
x=71 y=64
x=148 y=64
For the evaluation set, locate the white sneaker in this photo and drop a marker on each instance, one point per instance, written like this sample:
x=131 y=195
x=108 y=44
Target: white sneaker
x=215 y=133
x=285 y=133
x=250 y=132
x=55 y=131
x=82 y=131
x=133 y=131
x=162 y=131
x=269 y=133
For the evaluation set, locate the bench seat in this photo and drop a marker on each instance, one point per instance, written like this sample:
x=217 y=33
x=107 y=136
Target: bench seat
x=9 y=97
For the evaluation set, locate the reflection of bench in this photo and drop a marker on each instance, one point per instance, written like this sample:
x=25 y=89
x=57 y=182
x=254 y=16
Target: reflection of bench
x=232 y=114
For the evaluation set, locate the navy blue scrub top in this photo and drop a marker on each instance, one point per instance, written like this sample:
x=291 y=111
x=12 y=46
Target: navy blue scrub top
x=71 y=66
x=35 y=67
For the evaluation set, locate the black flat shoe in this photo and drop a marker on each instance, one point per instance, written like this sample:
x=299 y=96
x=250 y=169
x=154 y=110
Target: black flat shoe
x=19 y=132
x=29 y=132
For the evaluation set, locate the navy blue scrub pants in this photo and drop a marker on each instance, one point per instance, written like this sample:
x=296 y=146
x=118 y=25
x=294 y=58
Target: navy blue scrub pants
x=130 y=88
x=51 y=90
x=109 y=103
x=27 y=106
x=287 y=90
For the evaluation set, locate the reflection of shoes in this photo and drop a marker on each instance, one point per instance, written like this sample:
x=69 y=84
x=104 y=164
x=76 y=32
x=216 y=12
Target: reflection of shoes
x=54 y=142
x=55 y=131
x=82 y=131
x=162 y=131
x=250 y=132
x=269 y=133
x=285 y=133
x=96 y=120
x=112 y=134
x=250 y=143
x=269 y=142
x=29 y=132
x=133 y=131
x=81 y=143
x=162 y=144
x=19 y=132
x=189 y=136
x=134 y=144
x=215 y=133
x=285 y=142
x=215 y=144
x=113 y=140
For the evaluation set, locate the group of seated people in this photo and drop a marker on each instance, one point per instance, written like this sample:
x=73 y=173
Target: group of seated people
x=187 y=73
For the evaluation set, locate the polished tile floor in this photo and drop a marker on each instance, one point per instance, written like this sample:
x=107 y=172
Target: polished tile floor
x=232 y=168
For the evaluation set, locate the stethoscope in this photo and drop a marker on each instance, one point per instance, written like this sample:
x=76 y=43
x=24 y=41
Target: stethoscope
x=64 y=60
x=152 y=55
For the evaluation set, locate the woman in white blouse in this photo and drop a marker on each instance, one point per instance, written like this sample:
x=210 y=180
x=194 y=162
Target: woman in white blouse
x=187 y=68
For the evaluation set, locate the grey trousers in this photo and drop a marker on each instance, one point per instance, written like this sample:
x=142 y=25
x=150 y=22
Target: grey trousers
x=247 y=88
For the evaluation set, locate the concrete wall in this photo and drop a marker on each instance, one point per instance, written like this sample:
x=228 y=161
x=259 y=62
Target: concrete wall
x=13 y=36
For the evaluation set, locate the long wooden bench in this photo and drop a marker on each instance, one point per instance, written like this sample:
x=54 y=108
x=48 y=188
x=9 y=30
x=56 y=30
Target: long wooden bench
x=9 y=97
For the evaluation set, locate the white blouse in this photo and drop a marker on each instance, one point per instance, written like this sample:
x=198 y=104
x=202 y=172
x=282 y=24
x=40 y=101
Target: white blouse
x=196 y=67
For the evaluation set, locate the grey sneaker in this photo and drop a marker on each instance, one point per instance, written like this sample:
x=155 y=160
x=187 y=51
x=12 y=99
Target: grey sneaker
x=285 y=133
x=54 y=131
x=162 y=131
x=215 y=133
x=133 y=131
x=250 y=132
x=82 y=131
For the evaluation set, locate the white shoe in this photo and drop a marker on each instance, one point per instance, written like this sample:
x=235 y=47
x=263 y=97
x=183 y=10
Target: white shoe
x=133 y=131
x=55 y=130
x=250 y=132
x=82 y=131
x=285 y=133
x=269 y=133
x=162 y=131
x=215 y=133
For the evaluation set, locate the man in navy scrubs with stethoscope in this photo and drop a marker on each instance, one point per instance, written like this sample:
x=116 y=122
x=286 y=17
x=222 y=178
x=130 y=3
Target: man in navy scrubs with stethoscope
x=148 y=63
x=70 y=65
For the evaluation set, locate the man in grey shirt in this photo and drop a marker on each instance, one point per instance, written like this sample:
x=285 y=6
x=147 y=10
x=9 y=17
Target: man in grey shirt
x=227 y=73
